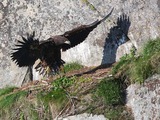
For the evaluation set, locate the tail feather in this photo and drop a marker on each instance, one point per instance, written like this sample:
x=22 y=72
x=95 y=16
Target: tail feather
x=26 y=51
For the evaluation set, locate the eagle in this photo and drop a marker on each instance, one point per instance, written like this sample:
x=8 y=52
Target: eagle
x=30 y=49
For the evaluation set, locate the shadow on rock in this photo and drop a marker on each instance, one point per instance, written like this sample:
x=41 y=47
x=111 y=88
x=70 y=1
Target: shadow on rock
x=116 y=37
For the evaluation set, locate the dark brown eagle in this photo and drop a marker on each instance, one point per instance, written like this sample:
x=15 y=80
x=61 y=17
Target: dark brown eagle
x=49 y=51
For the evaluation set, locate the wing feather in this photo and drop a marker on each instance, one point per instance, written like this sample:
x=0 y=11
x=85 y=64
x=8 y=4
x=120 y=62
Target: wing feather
x=79 y=34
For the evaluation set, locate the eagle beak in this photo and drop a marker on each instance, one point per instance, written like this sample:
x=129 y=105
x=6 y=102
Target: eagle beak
x=67 y=42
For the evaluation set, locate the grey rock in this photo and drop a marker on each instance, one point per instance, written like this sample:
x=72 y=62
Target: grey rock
x=144 y=99
x=84 y=116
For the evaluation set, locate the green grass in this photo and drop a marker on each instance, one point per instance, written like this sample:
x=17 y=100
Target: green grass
x=58 y=94
x=110 y=94
x=6 y=90
x=139 y=68
x=109 y=90
x=57 y=97
x=7 y=101
x=72 y=66
x=10 y=100
x=151 y=47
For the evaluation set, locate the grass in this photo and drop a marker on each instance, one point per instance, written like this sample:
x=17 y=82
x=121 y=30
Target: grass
x=139 y=68
x=110 y=91
x=151 y=47
x=72 y=66
x=110 y=95
x=58 y=94
x=6 y=90
x=91 y=6
x=9 y=100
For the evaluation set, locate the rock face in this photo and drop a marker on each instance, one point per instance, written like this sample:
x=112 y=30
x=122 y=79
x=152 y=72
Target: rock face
x=84 y=116
x=139 y=19
x=145 y=100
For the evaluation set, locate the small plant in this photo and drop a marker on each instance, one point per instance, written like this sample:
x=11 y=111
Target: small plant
x=72 y=66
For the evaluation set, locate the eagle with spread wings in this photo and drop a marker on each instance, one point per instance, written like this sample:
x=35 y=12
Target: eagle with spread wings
x=49 y=51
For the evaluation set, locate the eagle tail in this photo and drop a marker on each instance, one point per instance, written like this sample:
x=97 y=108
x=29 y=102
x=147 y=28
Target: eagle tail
x=26 y=51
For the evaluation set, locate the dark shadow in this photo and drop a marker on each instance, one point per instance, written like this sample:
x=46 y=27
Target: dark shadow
x=93 y=70
x=116 y=37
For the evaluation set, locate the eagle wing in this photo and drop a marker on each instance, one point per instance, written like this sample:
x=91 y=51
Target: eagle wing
x=79 y=34
x=27 y=51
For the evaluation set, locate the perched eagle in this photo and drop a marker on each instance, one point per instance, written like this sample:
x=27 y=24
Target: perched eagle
x=49 y=51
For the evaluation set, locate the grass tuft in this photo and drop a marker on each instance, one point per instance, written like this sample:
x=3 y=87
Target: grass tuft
x=6 y=90
x=58 y=94
x=109 y=90
x=139 y=68
x=7 y=101
x=72 y=66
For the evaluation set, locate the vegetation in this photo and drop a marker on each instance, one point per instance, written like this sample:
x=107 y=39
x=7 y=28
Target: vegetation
x=98 y=96
x=6 y=90
x=110 y=90
x=9 y=98
x=137 y=68
x=72 y=66
x=58 y=94
x=91 y=6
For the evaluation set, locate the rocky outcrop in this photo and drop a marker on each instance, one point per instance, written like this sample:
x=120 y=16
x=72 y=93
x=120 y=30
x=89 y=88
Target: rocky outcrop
x=145 y=99
x=140 y=22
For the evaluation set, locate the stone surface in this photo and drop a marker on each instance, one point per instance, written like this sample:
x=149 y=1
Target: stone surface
x=52 y=17
x=84 y=116
x=144 y=100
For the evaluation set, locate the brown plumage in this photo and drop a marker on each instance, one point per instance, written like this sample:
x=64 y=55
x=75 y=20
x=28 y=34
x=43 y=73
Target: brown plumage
x=49 y=51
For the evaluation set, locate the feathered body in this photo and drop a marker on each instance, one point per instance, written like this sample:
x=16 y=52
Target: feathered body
x=49 y=51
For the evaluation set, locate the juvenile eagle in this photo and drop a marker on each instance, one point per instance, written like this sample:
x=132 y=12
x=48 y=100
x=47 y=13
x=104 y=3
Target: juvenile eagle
x=49 y=51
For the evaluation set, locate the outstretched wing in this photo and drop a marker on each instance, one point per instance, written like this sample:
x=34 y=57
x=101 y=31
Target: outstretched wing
x=79 y=34
x=26 y=51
